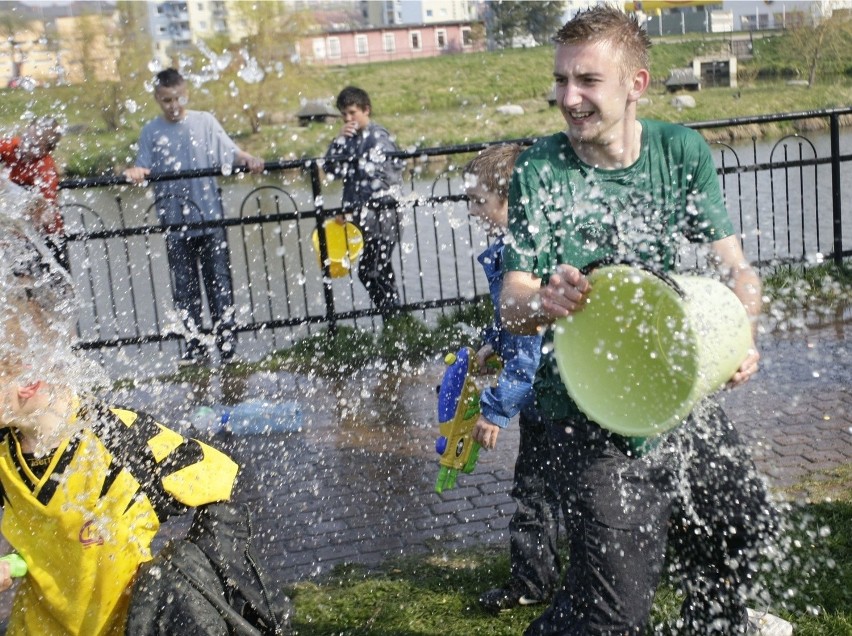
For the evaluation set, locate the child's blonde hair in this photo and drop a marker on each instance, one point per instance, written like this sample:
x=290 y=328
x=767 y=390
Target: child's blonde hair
x=492 y=168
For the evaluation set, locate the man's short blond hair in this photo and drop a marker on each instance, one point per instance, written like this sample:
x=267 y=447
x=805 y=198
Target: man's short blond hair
x=493 y=168
x=607 y=24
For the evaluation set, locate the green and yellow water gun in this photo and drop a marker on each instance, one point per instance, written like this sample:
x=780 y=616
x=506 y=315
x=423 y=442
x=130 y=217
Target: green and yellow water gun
x=458 y=410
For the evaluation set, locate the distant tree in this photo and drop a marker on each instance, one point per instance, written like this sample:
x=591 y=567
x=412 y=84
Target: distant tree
x=13 y=28
x=273 y=28
x=506 y=19
x=539 y=19
x=825 y=38
x=544 y=19
x=83 y=54
x=125 y=37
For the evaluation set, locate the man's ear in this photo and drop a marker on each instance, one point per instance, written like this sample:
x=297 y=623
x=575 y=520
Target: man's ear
x=27 y=391
x=641 y=80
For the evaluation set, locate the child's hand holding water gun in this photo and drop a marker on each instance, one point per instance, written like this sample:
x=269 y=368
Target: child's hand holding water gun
x=11 y=566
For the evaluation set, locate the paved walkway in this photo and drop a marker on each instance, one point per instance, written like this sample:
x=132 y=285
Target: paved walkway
x=357 y=484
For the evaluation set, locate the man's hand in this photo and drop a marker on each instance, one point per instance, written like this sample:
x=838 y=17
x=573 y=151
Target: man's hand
x=256 y=165
x=565 y=292
x=747 y=369
x=136 y=174
x=485 y=433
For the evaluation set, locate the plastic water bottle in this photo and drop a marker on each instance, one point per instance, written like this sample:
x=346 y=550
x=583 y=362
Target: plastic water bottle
x=208 y=420
x=256 y=417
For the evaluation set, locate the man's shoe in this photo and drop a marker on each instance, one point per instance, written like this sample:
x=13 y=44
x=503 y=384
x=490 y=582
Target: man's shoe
x=502 y=599
x=762 y=623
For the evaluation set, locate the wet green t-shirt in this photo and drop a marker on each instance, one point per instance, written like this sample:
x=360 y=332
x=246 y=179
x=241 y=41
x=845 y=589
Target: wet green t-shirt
x=562 y=210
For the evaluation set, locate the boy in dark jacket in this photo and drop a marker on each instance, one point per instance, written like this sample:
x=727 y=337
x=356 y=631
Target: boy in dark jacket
x=371 y=182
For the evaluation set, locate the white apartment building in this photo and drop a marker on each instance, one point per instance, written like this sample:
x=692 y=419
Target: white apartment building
x=178 y=24
x=394 y=12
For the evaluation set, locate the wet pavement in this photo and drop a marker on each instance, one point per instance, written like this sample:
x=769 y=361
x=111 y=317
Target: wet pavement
x=356 y=484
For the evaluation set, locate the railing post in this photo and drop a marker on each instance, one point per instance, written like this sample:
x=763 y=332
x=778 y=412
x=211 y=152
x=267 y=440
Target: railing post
x=836 y=199
x=328 y=293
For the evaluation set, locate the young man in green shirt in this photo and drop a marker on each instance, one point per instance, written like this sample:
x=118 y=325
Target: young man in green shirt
x=614 y=187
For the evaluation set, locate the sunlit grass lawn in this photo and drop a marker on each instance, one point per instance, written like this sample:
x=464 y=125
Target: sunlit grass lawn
x=436 y=594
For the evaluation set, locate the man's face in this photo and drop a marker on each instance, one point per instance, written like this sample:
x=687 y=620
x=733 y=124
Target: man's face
x=173 y=101
x=590 y=92
x=356 y=114
x=488 y=207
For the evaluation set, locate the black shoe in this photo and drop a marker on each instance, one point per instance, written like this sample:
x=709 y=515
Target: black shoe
x=503 y=599
x=194 y=357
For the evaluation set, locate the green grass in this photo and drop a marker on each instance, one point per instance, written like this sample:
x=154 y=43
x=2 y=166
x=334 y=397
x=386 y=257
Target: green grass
x=429 y=102
x=436 y=593
x=801 y=290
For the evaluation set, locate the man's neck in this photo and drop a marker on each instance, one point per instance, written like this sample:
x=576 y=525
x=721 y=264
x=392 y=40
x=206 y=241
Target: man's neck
x=621 y=152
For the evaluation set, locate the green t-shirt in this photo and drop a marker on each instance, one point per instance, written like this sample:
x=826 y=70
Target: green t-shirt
x=562 y=210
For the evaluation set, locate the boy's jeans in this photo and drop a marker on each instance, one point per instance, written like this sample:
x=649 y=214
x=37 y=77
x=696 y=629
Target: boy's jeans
x=193 y=259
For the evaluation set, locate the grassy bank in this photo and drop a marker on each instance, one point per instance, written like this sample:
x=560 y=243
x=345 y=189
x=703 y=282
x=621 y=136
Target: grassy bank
x=428 y=102
x=436 y=593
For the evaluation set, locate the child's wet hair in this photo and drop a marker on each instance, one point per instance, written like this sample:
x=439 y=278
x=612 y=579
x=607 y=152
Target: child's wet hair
x=492 y=168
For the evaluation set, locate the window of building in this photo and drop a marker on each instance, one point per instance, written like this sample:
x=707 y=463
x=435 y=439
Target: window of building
x=414 y=40
x=334 y=47
x=428 y=13
x=319 y=48
x=441 y=38
x=467 y=37
x=361 y=47
x=390 y=42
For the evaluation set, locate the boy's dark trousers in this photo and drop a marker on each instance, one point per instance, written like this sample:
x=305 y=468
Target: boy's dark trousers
x=379 y=224
x=699 y=487
x=534 y=528
x=209 y=253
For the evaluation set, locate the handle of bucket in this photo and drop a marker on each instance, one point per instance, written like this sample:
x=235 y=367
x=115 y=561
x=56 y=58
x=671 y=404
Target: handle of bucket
x=663 y=276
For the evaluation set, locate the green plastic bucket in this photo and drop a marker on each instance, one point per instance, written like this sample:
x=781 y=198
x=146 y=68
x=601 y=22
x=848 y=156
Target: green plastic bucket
x=644 y=350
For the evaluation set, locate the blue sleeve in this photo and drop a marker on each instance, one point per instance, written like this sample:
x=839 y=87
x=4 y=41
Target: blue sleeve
x=514 y=390
x=490 y=335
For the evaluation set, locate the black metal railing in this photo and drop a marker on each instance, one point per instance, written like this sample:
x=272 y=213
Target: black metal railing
x=785 y=198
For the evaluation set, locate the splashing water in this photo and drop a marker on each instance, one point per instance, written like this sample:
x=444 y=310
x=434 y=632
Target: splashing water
x=38 y=308
x=251 y=72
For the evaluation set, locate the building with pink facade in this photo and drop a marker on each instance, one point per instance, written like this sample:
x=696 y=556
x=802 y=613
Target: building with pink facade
x=388 y=43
